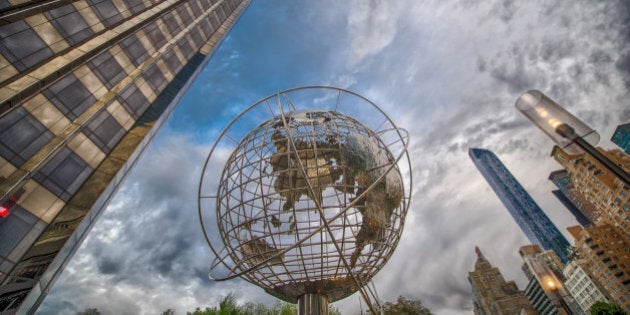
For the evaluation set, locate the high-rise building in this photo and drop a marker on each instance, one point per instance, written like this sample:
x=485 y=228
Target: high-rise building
x=527 y=214
x=581 y=285
x=582 y=210
x=84 y=85
x=545 y=289
x=602 y=189
x=621 y=137
x=492 y=294
x=606 y=252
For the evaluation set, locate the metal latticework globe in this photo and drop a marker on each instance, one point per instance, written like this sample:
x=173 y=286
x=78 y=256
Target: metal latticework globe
x=309 y=200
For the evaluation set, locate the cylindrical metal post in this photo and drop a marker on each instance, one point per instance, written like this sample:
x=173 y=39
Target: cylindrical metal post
x=312 y=304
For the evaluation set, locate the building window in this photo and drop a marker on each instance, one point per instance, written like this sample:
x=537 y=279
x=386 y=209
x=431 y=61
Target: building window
x=13 y=230
x=171 y=23
x=64 y=174
x=207 y=28
x=134 y=50
x=104 y=131
x=107 y=69
x=185 y=48
x=70 y=96
x=135 y=6
x=215 y=21
x=205 y=4
x=106 y=11
x=183 y=13
x=154 y=34
x=21 y=136
x=132 y=99
x=220 y=12
x=197 y=36
x=196 y=7
x=21 y=46
x=70 y=24
x=172 y=62
x=156 y=79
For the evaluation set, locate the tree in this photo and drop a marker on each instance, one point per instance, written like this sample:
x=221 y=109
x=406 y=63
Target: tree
x=603 y=308
x=229 y=306
x=404 y=306
x=169 y=311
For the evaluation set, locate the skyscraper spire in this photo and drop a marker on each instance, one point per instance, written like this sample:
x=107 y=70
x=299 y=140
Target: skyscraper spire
x=478 y=252
x=492 y=294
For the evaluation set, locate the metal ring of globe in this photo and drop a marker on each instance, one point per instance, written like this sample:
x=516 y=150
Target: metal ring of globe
x=297 y=162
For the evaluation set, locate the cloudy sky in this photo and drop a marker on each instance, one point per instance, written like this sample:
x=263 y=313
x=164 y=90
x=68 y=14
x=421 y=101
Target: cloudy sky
x=447 y=71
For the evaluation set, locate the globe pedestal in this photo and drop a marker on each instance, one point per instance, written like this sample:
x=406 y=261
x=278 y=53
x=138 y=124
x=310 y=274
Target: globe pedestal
x=312 y=304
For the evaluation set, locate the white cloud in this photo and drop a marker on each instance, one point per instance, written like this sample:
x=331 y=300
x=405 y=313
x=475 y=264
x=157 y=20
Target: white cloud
x=371 y=26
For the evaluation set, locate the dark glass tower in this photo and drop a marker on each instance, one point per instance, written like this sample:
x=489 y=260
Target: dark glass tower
x=567 y=195
x=527 y=214
x=84 y=86
x=621 y=137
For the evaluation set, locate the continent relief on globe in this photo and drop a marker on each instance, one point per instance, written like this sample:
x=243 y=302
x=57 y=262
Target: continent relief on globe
x=325 y=161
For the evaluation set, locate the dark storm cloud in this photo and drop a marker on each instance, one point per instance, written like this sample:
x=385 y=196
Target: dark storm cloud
x=599 y=57
x=447 y=71
x=514 y=73
x=108 y=266
x=552 y=50
x=528 y=60
x=523 y=58
x=150 y=235
x=623 y=65
x=505 y=10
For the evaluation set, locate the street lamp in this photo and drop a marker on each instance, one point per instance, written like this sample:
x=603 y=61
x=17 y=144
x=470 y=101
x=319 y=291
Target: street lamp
x=558 y=294
x=566 y=130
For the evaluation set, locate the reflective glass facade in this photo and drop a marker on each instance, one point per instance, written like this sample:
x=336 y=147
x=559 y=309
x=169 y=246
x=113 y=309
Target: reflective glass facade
x=621 y=137
x=567 y=195
x=527 y=214
x=84 y=85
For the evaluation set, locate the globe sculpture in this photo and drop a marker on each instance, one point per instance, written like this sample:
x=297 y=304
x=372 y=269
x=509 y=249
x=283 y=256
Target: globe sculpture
x=310 y=202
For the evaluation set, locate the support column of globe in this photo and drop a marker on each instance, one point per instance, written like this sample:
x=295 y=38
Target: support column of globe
x=310 y=204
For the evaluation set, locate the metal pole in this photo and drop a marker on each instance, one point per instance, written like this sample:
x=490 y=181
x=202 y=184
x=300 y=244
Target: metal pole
x=312 y=304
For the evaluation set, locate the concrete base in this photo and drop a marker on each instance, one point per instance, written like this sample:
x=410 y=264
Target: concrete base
x=312 y=304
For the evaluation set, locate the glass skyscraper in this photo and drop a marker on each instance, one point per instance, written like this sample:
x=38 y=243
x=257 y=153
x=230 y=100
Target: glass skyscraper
x=84 y=85
x=621 y=137
x=527 y=214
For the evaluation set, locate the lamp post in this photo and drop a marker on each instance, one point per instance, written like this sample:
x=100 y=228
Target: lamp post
x=566 y=130
x=556 y=290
